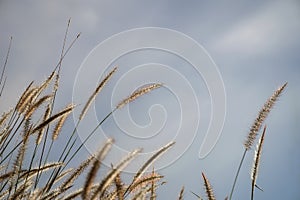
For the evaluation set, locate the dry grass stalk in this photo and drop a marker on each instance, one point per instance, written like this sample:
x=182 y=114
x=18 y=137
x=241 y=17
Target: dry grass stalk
x=17 y=165
x=96 y=165
x=208 y=188
x=119 y=187
x=24 y=94
x=146 y=180
x=263 y=113
x=18 y=194
x=46 y=116
x=148 y=163
x=53 y=194
x=26 y=100
x=36 y=105
x=113 y=173
x=65 y=111
x=142 y=194
x=77 y=172
x=33 y=172
x=256 y=162
x=136 y=94
x=96 y=92
x=3 y=194
x=153 y=184
x=63 y=175
x=73 y=195
x=77 y=193
x=59 y=125
x=181 y=193
x=5 y=116
x=45 y=84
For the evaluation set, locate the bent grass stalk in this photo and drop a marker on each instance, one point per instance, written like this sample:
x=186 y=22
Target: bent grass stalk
x=256 y=126
x=256 y=162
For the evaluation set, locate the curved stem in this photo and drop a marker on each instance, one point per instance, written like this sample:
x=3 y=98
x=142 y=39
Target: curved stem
x=237 y=174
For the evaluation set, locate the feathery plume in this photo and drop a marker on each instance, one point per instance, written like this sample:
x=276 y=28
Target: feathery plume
x=136 y=94
x=113 y=173
x=96 y=165
x=26 y=99
x=97 y=90
x=65 y=111
x=46 y=116
x=181 y=193
x=4 y=116
x=36 y=105
x=59 y=125
x=263 y=113
x=208 y=188
x=148 y=163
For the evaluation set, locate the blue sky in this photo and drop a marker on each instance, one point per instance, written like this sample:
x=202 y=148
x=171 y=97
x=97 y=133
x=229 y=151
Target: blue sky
x=255 y=46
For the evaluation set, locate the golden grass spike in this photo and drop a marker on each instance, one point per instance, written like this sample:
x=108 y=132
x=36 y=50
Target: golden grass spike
x=136 y=94
x=77 y=172
x=3 y=194
x=73 y=195
x=77 y=193
x=46 y=116
x=18 y=163
x=113 y=173
x=5 y=116
x=65 y=111
x=153 y=183
x=256 y=162
x=63 y=175
x=148 y=163
x=36 y=105
x=181 y=193
x=24 y=94
x=96 y=165
x=45 y=84
x=26 y=100
x=208 y=188
x=263 y=113
x=142 y=194
x=46 y=167
x=59 y=125
x=119 y=187
x=18 y=194
x=96 y=92
x=146 y=180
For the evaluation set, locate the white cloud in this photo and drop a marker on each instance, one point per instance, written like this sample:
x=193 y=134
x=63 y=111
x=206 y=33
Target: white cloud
x=274 y=26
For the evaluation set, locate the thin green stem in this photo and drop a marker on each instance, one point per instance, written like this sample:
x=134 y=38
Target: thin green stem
x=237 y=174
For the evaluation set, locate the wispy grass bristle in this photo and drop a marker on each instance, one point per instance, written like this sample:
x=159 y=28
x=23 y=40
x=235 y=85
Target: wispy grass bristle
x=208 y=188
x=4 y=116
x=140 y=172
x=65 y=111
x=96 y=92
x=26 y=100
x=96 y=165
x=32 y=108
x=77 y=172
x=136 y=94
x=180 y=197
x=262 y=115
x=59 y=125
x=113 y=173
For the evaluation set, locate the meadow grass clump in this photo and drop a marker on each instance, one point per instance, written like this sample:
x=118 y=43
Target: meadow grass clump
x=34 y=121
x=27 y=173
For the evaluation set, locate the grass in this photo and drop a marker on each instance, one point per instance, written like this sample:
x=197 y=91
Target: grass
x=27 y=173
